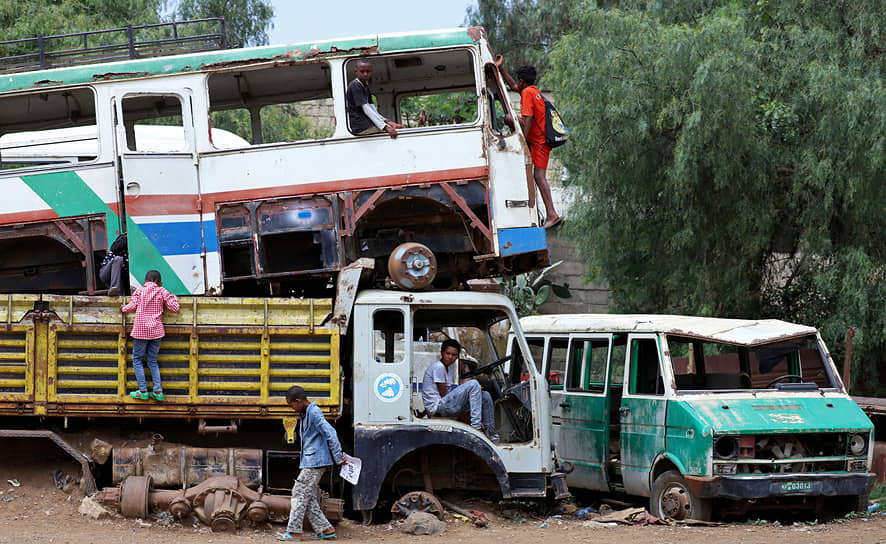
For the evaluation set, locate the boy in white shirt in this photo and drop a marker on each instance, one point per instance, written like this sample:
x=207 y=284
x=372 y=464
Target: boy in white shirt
x=442 y=398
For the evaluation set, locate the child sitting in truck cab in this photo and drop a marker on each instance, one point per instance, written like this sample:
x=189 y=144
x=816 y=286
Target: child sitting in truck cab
x=442 y=398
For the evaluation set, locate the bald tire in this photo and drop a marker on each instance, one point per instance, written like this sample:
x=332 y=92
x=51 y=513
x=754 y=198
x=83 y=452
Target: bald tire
x=670 y=489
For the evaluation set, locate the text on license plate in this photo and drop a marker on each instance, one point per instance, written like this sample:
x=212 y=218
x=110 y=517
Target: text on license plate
x=796 y=487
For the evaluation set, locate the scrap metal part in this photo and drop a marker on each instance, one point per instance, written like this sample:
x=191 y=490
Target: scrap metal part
x=417 y=501
x=88 y=479
x=222 y=502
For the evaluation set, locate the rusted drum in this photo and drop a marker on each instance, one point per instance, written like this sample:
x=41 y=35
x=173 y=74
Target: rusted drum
x=412 y=266
x=173 y=466
x=417 y=501
x=134 y=497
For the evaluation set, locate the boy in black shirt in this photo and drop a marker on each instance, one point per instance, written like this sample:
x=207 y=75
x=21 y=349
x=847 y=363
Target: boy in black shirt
x=363 y=118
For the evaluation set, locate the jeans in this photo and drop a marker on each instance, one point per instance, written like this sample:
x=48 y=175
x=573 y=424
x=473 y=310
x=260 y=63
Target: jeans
x=151 y=348
x=469 y=395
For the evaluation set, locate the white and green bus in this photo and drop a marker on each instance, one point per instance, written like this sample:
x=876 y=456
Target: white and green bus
x=235 y=172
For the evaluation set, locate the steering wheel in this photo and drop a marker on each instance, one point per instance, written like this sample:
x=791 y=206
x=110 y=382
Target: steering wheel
x=782 y=377
x=486 y=369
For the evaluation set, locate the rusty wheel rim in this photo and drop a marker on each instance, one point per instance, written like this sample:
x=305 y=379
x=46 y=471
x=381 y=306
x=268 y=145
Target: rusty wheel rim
x=417 y=501
x=674 y=502
x=134 y=496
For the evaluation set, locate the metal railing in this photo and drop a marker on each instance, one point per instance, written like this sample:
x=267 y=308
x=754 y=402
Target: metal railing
x=130 y=42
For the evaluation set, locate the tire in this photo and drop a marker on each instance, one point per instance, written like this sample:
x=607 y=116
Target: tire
x=672 y=499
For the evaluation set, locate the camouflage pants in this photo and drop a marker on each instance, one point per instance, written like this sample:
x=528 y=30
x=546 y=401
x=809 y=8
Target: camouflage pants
x=304 y=501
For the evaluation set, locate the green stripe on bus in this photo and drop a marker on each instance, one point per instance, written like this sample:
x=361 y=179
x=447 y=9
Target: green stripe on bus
x=69 y=196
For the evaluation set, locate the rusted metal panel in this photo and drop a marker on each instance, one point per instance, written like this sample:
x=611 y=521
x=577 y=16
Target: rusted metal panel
x=71 y=357
x=871 y=405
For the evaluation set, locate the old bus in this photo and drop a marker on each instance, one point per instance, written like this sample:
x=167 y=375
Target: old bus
x=691 y=410
x=289 y=195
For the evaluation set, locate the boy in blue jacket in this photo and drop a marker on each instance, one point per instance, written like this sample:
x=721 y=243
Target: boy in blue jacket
x=319 y=449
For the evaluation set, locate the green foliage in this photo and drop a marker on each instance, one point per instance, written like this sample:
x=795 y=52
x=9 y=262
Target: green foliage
x=730 y=157
x=22 y=19
x=529 y=291
x=524 y=31
x=440 y=109
x=249 y=19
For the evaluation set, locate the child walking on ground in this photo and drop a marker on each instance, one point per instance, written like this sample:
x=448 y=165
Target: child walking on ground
x=319 y=448
x=148 y=302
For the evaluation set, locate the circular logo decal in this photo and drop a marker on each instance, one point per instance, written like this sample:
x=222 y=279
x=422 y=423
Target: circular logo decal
x=388 y=387
x=557 y=123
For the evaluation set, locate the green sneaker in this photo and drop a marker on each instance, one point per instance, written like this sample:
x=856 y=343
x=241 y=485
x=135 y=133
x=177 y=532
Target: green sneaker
x=156 y=396
x=139 y=395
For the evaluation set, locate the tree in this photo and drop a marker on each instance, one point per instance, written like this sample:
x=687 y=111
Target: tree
x=730 y=155
x=19 y=19
x=524 y=31
x=249 y=19
x=22 y=19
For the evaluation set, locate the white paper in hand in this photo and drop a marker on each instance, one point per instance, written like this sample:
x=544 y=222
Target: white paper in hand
x=350 y=471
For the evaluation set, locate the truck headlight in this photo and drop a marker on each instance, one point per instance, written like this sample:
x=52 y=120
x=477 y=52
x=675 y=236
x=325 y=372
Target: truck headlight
x=858 y=444
x=725 y=447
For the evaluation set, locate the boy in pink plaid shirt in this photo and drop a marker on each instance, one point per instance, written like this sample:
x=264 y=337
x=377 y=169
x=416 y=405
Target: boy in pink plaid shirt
x=148 y=302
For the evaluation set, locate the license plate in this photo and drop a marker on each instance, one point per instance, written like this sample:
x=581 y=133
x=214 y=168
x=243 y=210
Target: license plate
x=796 y=487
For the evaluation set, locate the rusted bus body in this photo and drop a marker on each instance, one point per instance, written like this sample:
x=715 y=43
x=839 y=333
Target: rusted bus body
x=138 y=147
x=221 y=358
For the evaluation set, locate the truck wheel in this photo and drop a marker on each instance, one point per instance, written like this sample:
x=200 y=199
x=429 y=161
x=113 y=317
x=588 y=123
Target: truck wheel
x=672 y=499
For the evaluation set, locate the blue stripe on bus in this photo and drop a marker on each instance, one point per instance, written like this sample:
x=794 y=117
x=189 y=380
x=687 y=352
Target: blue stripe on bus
x=521 y=240
x=181 y=238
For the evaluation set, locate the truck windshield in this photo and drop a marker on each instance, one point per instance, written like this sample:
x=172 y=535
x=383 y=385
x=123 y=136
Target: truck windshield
x=789 y=365
x=482 y=333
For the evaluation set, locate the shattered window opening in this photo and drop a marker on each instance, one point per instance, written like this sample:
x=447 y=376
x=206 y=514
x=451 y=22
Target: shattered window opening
x=290 y=103
x=48 y=128
x=704 y=365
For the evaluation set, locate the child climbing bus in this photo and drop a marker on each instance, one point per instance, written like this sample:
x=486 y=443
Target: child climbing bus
x=148 y=302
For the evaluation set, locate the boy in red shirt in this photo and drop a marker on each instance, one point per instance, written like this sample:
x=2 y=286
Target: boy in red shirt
x=148 y=302
x=532 y=108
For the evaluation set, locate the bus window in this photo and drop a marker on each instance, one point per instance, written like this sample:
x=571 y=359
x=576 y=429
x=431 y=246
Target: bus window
x=154 y=110
x=48 y=128
x=501 y=119
x=440 y=84
x=275 y=104
x=430 y=110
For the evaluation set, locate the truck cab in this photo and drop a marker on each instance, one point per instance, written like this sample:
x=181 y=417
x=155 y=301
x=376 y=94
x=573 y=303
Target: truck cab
x=688 y=410
x=394 y=336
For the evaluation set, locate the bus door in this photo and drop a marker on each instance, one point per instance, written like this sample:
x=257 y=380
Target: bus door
x=642 y=412
x=579 y=407
x=160 y=186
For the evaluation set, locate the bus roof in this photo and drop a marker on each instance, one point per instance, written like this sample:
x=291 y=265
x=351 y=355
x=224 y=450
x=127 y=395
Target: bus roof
x=748 y=332
x=196 y=62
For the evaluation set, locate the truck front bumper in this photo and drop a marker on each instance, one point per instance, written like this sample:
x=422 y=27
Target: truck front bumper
x=780 y=485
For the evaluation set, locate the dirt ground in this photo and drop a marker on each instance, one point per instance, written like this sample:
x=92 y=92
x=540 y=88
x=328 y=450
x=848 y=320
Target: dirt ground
x=36 y=511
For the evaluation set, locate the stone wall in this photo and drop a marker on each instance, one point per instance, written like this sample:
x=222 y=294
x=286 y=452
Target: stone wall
x=586 y=297
x=319 y=113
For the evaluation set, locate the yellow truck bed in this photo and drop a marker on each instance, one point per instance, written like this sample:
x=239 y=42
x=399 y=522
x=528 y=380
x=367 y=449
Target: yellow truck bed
x=221 y=357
